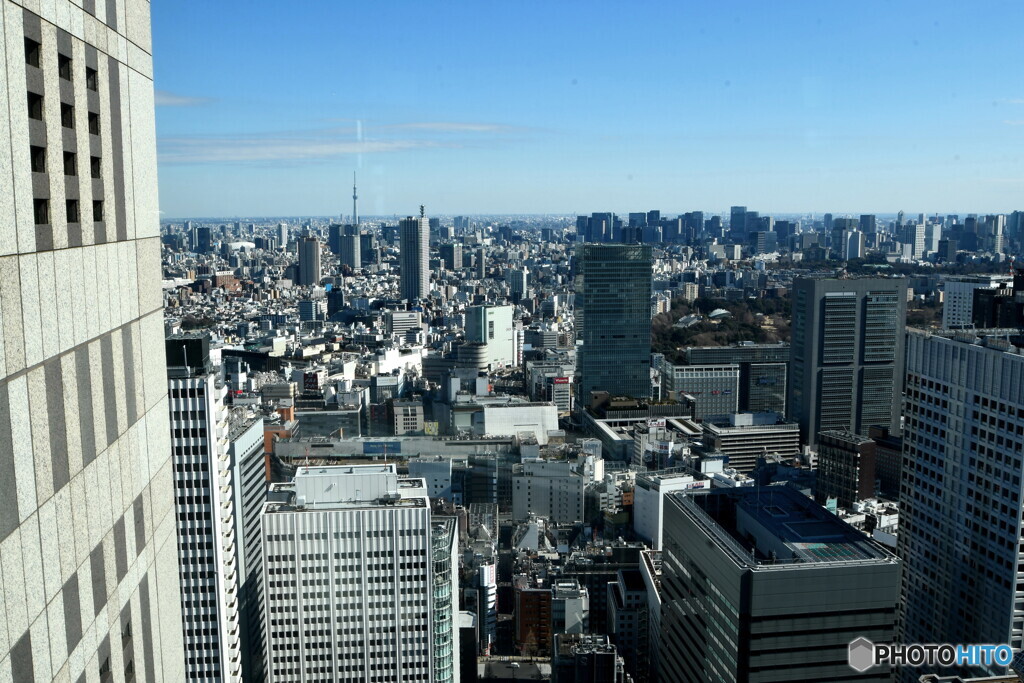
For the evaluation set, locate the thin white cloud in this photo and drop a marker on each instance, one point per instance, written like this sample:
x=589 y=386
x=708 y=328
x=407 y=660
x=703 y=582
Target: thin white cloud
x=169 y=99
x=280 y=148
x=453 y=127
x=1019 y=122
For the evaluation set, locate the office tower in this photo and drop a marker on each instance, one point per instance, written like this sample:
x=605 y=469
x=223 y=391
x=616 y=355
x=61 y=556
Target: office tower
x=947 y=250
x=334 y=232
x=582 y=228
x=415 y=250
x=599 y=228
x=784 y=230
x=87 y=549
x=846 y=467
x=932 y=237
x=494 y=327
x=400 y=322
x=451 y=254
x=312 y=310
x=852 y=244
x=912 y=237
x=368 y=248
x=751 y=222
x=846 y=367
x=350 y=252
x=763 y=371
x=637 y=220
x=365 y=577
x=763 y=242
x=958 y=297
x=991 y=232
x=738 y=222
x=714 y=389
x=1015 y=225
x=763 y=584
x=693 y=223
x=613 y=317
x=868 y=223
x=309 y=261
x=204 y=239
x=335 y=300
x=827 y=222
x=517 y=279
x=481 y=263
x=282 y=235
x=961 y=496
x=219 y=474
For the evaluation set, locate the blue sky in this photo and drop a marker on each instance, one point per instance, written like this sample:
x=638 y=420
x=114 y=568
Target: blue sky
x=266 y=108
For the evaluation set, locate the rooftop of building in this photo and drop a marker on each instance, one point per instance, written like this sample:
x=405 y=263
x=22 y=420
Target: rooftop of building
x=655 y=478
x=583 y=643
x=632 y=580
x=845 y=436
x=777 y=527
x=347 y=487
x=240 y=420
x=1008 y=340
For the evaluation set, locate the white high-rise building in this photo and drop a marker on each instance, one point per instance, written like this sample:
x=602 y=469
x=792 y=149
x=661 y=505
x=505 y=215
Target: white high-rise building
x=494 y=326
x=962 y=493
x=913 y=240
x=413 y=260
x=88 y=569
x=958 y=297
x=219 y=487
x=359 y=582
x=649 y=500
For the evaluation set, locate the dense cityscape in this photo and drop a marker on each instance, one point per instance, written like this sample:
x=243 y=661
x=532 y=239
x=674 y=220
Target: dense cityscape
x=688 y=445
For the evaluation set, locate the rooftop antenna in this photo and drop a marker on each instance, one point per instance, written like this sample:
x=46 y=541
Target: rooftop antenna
x=355 y=213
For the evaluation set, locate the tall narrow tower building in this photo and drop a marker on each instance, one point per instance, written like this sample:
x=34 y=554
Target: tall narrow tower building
x=414 y=243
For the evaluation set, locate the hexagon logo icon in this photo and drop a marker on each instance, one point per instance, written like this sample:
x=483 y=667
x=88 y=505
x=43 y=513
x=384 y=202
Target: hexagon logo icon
x=861 y=655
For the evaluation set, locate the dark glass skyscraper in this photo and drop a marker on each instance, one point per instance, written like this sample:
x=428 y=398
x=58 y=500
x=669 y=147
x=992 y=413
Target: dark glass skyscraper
x=613 y=312
x=847 y=354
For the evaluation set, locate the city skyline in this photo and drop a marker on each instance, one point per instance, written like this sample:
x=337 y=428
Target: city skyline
x=269 y=113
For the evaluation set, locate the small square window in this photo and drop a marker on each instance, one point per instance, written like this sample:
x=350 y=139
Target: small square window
x=38 y=159
x=73 y=214
x=94 y=123
x=35 y=106
x=32 y=50
x=64 y=67
x=97 y=210
x=41 y=209
x=94 y=167
x=67 y=115
x=91 y=79
x=70 y=163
